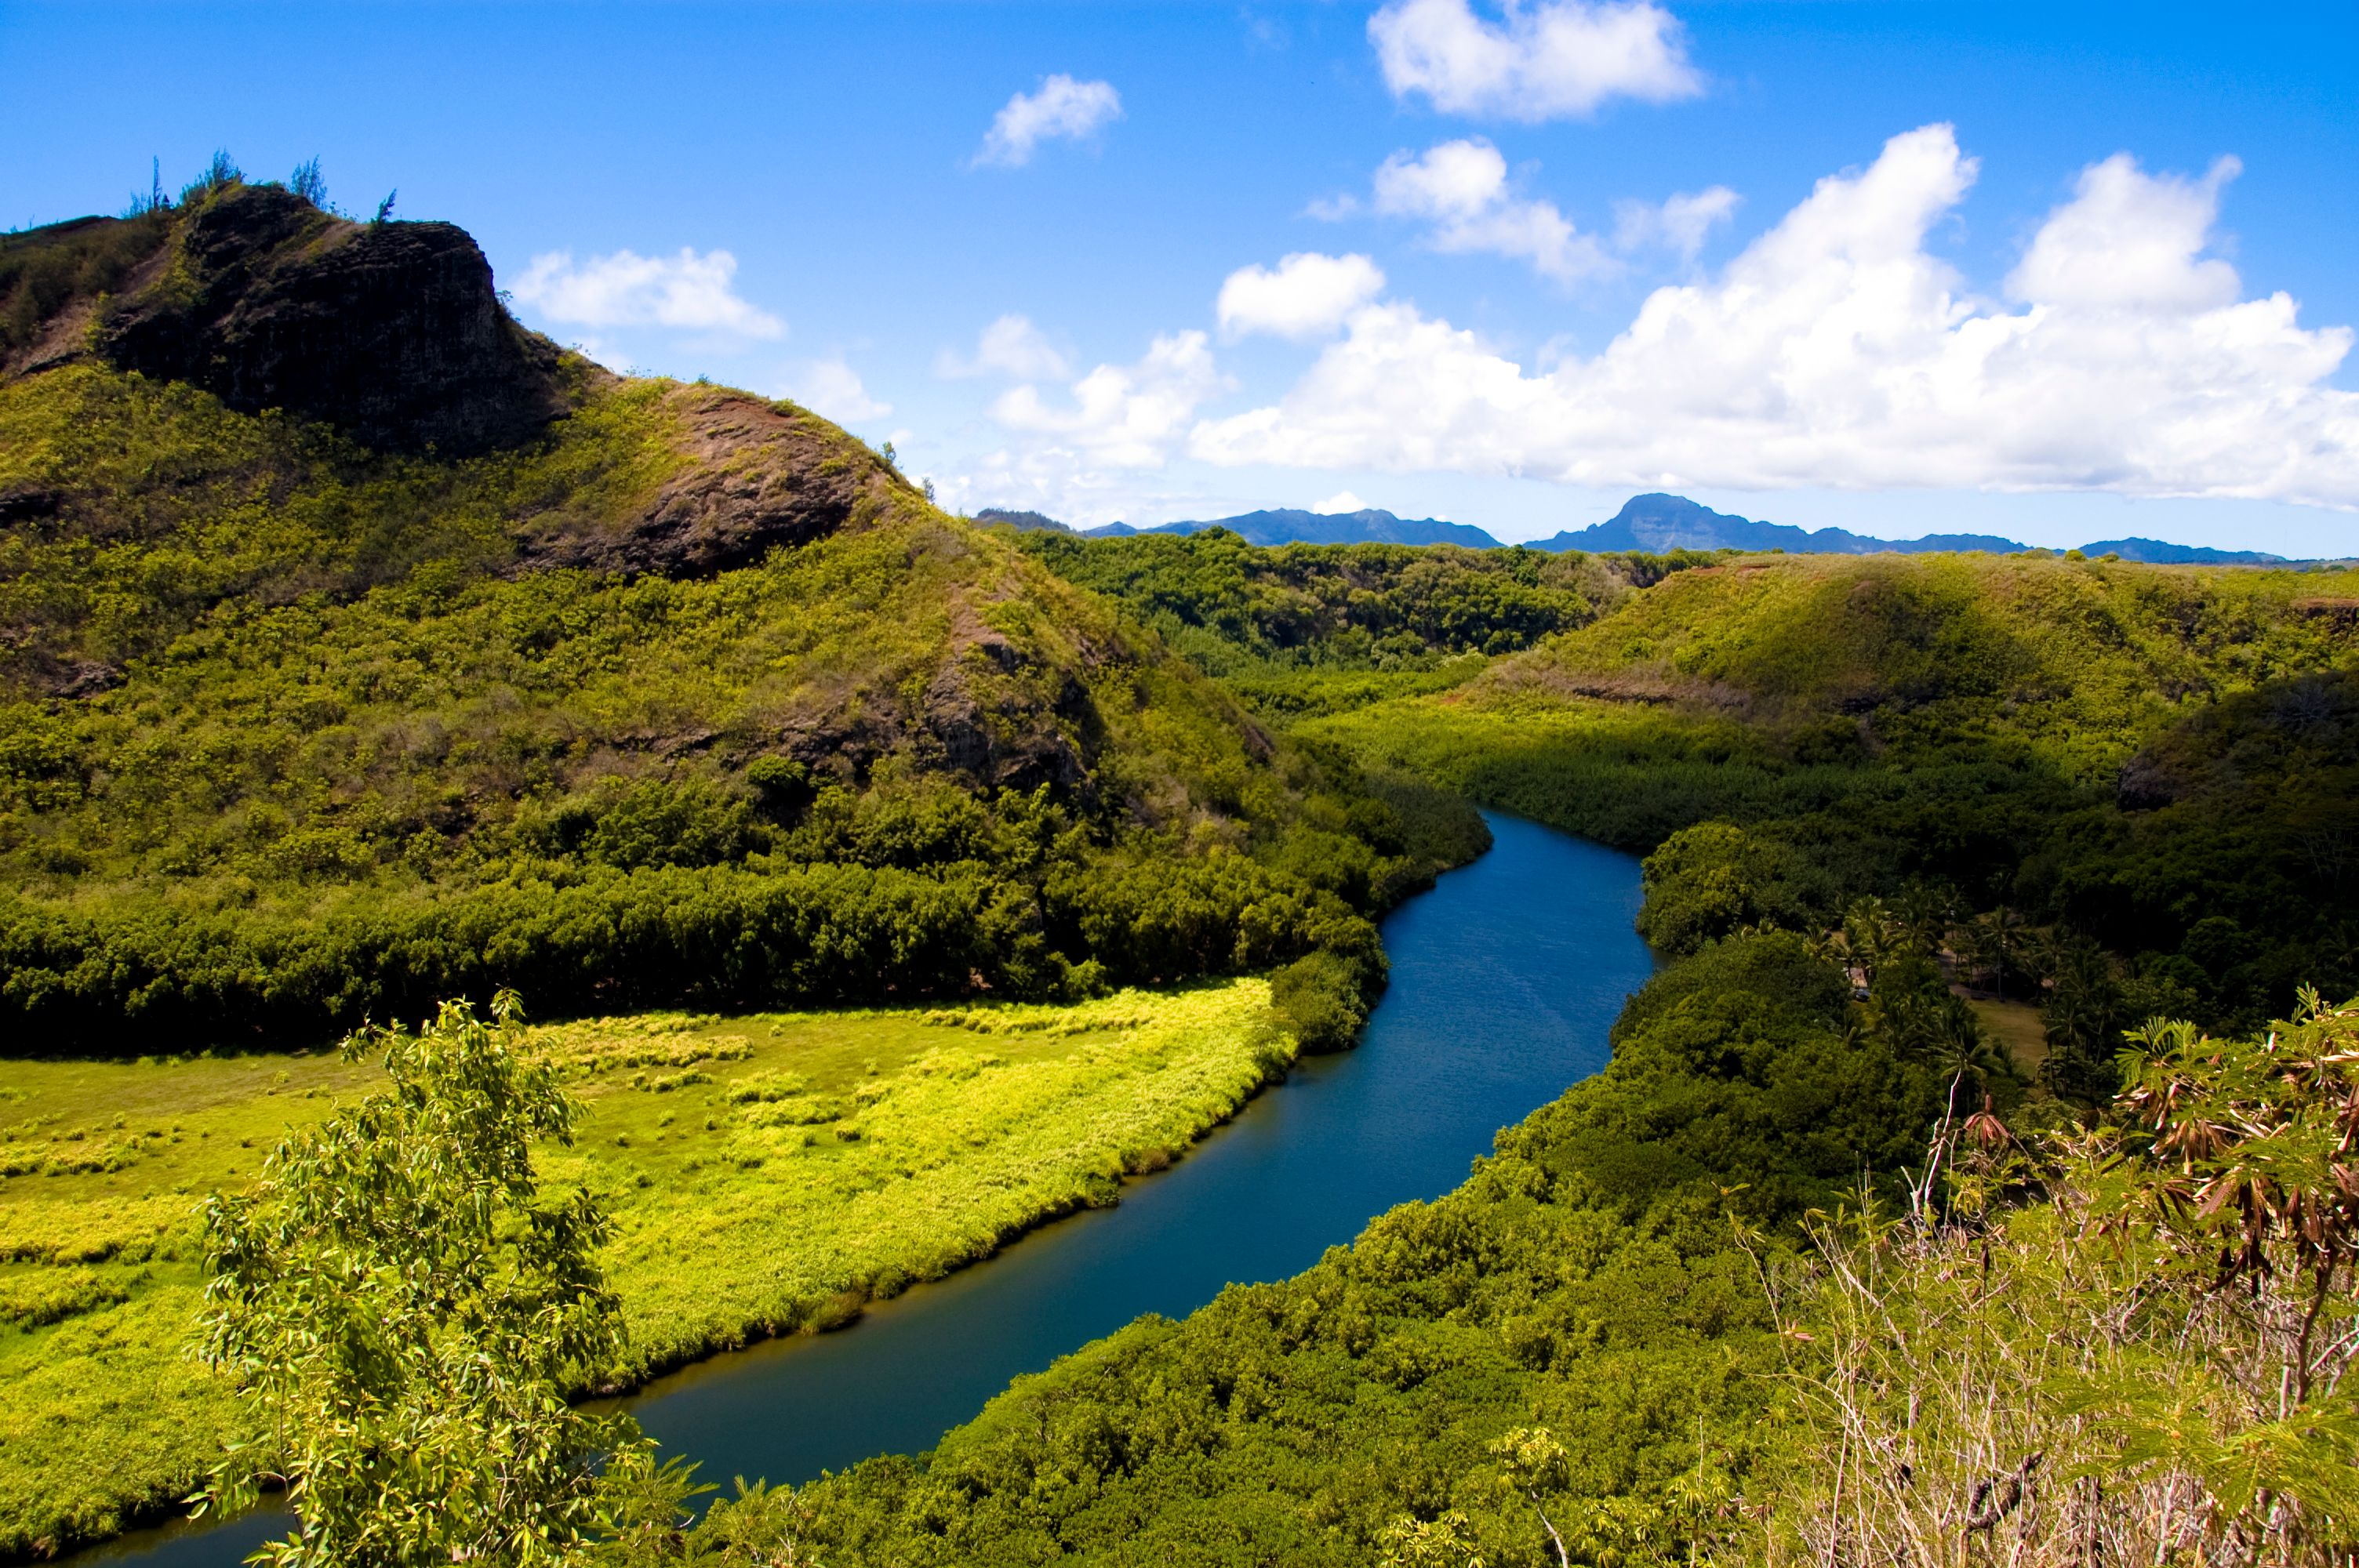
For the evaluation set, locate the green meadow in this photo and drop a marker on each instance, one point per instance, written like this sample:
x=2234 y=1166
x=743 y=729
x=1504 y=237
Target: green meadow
x=768 y=1173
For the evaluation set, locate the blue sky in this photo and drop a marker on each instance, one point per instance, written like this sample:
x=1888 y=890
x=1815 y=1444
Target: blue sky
x=1557 y=254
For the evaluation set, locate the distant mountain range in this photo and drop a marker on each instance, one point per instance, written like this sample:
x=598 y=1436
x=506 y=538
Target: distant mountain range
x=1658 y=523
x=1651 y=523
x=1285 y=525
x=2155 y=552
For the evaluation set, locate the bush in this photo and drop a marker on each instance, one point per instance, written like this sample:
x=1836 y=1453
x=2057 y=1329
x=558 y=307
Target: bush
x=1324 y=999
x=47 y=269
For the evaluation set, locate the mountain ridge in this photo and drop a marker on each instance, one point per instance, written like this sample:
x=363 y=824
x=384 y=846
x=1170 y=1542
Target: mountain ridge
x=644 y=642
x=1653 y=523
x=1656 y=522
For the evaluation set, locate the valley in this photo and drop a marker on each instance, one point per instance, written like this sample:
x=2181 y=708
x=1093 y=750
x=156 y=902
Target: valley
x=1639 y=1011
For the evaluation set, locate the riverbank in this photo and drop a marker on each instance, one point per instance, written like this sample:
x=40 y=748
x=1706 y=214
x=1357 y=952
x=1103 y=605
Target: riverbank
x=1505 y=979
x=768 y=1173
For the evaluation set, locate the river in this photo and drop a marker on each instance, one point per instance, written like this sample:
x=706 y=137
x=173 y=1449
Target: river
x=1505 y=979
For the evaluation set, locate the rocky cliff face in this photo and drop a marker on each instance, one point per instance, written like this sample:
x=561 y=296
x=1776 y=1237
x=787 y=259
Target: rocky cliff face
x=760 y=474
x=393 y=334
x=390 y=332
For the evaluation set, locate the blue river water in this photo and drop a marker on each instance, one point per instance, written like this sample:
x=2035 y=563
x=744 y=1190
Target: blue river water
x=1505 y=979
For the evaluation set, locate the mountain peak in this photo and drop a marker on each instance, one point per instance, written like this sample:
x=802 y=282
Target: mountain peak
x=391 y=333
x=1657 y=523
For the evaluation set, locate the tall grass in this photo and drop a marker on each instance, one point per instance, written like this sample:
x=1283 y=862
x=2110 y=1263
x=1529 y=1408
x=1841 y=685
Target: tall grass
x=2149 y=1361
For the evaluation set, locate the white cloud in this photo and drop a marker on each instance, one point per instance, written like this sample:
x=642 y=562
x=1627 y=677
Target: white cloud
x=1454 y=181
x=1538 y=62
x=1342 y=502
x=1094 y=457
x=2128 y=238
x=1069 y=486
x=833 y=388
x=1835 y=351
x=1679 y=223
x=1011 y=346
x=1126 y=416
x=1063 y=107
x=1461 y=189
x=1304 y=295
x=687 y=291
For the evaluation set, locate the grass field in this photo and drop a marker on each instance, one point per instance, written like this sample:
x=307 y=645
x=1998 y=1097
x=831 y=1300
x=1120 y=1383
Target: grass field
x=768 y=1173
x=2016 y=1026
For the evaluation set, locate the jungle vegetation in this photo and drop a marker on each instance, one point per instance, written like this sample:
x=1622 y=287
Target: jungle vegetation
x=1813 y=1268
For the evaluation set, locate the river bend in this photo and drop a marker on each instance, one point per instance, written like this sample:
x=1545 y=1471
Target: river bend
x=1505 y=979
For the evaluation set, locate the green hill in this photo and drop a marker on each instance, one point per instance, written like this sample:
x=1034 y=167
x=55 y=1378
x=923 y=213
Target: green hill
x=2159 y=758
x=1299 y=629
x=2081 y=659
x=624 y=692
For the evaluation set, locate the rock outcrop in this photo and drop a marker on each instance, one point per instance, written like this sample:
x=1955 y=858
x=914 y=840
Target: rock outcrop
x=759 y=475
x=390 y=332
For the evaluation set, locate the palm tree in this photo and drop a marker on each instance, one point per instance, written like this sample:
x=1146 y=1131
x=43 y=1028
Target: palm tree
x=1922 y=915
x=1871 y=936
x=1997 y=942
x=2083 y=1019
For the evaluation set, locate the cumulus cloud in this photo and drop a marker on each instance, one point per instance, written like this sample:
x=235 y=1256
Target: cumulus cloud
x=833 y=388
x=1678 y=222
x=1062 y=108
x=1836 y=350
x=1341 y=503
x=1011 y=346
x=1074 y=488
x=2128 y=238
x=1538 y=61
x=688 y=291
x=1125 y=416
x=1304 y=295
x=1460 y=188
x=1096 y=452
